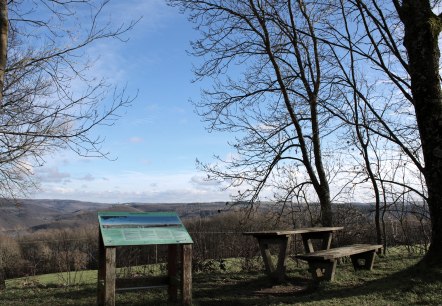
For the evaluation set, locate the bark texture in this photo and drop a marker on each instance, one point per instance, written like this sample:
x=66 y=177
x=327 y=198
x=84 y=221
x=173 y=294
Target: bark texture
x=422 y=29
x=3 y=52
x=3 y=44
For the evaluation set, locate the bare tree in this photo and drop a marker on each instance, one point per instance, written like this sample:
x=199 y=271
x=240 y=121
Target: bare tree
x=10 y=258
x=275 y=105
x=399 y=40
x=50 y=99
x=293 y=53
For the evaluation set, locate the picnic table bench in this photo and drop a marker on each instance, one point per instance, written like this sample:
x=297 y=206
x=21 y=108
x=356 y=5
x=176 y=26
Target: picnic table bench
x=322 y=264
x=282 y=239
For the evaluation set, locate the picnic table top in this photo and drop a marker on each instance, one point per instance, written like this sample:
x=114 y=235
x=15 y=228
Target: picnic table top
x=275 y=233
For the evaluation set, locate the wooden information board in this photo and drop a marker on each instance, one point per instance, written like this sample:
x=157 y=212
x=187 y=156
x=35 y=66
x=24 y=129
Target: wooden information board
x=122 y=228
x=150 y=228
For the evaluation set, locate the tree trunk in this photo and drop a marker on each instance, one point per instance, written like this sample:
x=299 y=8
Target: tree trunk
x=3 y=52
x=2 y=279
x=422 y=28
x=326 y=208
x=3 y=44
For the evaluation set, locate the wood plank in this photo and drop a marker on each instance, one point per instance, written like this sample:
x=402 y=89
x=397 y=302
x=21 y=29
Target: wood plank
x=318 y=229
x=294 y=231
x=334 y=253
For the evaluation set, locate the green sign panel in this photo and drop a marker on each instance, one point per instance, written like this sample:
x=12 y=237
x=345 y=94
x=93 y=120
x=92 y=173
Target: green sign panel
x=127 y=228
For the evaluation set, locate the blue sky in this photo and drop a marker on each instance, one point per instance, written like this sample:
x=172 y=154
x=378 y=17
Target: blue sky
x=157 y=140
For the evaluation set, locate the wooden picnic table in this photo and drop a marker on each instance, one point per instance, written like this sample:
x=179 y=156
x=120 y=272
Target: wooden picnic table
x=282 y=238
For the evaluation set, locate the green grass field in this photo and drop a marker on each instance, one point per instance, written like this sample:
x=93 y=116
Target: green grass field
x=395 y=280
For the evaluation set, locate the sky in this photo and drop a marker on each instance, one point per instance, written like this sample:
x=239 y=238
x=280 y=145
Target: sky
x=154 y=145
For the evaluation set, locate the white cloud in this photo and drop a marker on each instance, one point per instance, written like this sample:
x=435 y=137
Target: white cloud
x=88 y=177
x=146 y=162
x=51 y=175
x=137 y=187
x=136 y=139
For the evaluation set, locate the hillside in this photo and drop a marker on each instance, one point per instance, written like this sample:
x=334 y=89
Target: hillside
x=33 y=215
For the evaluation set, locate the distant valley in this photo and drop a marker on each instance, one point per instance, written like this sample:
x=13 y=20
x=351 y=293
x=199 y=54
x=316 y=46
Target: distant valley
x=25 y=215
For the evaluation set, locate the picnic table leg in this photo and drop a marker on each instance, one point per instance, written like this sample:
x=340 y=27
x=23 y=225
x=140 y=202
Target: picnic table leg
x=308 y=246
x=323 y=270
x=326 y=240
x=367 y=258
x=325 y=237
x=266 y=255
x=277 y=273
x=282 y=257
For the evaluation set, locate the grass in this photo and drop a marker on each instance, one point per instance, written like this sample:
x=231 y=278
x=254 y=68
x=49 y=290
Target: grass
x=396 y=280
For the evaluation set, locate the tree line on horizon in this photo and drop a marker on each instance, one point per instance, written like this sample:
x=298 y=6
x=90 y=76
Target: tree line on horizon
x=71 y=250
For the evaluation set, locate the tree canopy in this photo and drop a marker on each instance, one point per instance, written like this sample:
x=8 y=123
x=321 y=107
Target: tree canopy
x=49 y=98
x=335 y=97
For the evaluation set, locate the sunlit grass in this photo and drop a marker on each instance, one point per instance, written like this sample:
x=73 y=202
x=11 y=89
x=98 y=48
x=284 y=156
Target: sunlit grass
x=395 y=280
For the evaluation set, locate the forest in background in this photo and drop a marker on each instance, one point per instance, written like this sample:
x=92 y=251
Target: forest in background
x=217 y=235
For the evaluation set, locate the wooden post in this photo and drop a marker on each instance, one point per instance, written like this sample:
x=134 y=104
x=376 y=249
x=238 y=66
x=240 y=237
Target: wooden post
x=101 y=271
x=110 y=276
x=186 y=274
x=172 y=264
x=106 y=274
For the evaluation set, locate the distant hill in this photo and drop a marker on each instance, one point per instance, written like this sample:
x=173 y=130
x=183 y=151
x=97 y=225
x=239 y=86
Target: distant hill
x=34 y=215
x=25 y=215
